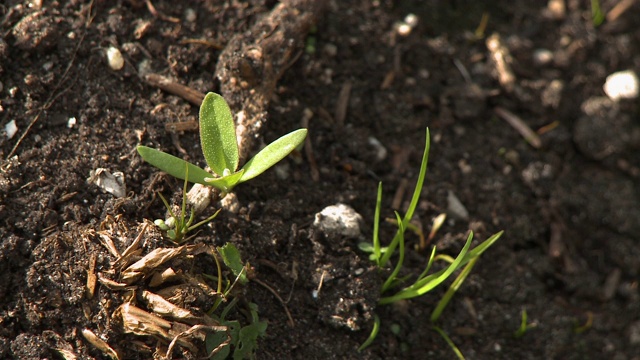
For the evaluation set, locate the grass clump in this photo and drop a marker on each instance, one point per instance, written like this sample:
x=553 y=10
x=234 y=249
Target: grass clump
x=394 y=288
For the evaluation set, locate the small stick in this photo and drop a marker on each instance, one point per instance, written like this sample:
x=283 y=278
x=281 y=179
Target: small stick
x=343 y=103
x=193 y=96
x=396 y=203
x=308 y=148
x=91 y=276
x=284 y=305
x=619 y=9
x=532 y=138
x=161 y=16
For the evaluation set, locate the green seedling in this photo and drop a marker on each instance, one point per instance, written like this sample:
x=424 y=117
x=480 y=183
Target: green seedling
x=177 y=227
x=243 y=339
x=425 y=282
x=220 y=150
x=579 y=329
x=597 y=17
x=524 y=325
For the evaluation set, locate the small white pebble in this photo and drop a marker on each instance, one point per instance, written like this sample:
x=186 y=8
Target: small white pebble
x=622 y=85
x=404 y=29
x=381 y=151
x=330 y=49
x=190 y=15
x=47 y=66
x=11 y=128
x=411 y=20
x=115 y=59
x=339 y=220
x=542 y=57
x=455 y=208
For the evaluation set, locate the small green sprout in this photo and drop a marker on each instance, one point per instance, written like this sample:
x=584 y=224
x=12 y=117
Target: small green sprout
x=424 y=283
x=177 y=227
x=524 y=325
x=220 y=150
x=243 y=339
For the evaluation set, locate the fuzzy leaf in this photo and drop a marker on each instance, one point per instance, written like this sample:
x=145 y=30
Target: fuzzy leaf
x=218 y=134
x=172 y=165
x=273 y=153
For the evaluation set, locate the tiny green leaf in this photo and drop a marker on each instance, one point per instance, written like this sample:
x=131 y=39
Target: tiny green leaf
x=249 y=339
x=172 y=165
x=218 y=134
x=273 y=153
x=231 y=257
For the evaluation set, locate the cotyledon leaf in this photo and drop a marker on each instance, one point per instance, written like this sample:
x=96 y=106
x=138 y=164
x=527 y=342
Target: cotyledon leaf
x=172 y=165
x=218 y=134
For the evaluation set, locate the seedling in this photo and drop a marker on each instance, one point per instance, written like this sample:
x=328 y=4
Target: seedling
x=424 y=283
x=177 y=227
x=524 y=325
x=220 y=150
x=243 y=339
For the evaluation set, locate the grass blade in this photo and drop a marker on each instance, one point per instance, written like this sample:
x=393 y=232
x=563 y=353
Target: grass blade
x=450 y=342
x=414 y=199
x=390 y=280
x=374 y=333
x=376 y=226
x=442 y=304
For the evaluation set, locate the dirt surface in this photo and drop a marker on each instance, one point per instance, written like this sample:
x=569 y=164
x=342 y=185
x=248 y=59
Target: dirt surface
x=569 y=204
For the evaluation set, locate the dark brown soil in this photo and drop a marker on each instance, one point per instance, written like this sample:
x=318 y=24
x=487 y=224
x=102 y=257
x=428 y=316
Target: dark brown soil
x=570 y=207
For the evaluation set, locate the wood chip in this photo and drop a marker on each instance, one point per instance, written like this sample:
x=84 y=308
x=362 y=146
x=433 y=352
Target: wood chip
x=191 y=95
x=91 y=277
x=529 y=135
x=502 y=61
x=100 y=344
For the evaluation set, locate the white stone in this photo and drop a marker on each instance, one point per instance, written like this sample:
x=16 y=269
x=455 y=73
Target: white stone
x=11 y=128
x=111 y=183
x=115 y=59
x=622 y=85
x=338 y=220
x=455 y=208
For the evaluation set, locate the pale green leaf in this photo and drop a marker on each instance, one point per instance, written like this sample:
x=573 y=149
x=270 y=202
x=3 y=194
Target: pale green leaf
x=218 y=134
x=273 y=153
x=172 y=165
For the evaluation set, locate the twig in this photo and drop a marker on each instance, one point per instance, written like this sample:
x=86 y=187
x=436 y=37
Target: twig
x=517 y=123
x=342 y=105
x=284 y=305
x=619 y=9
x=308 y=148
x=161 y=16
x=191 y=95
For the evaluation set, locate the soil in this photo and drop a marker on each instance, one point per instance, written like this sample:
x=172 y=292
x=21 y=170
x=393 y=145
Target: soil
x=569 y=204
